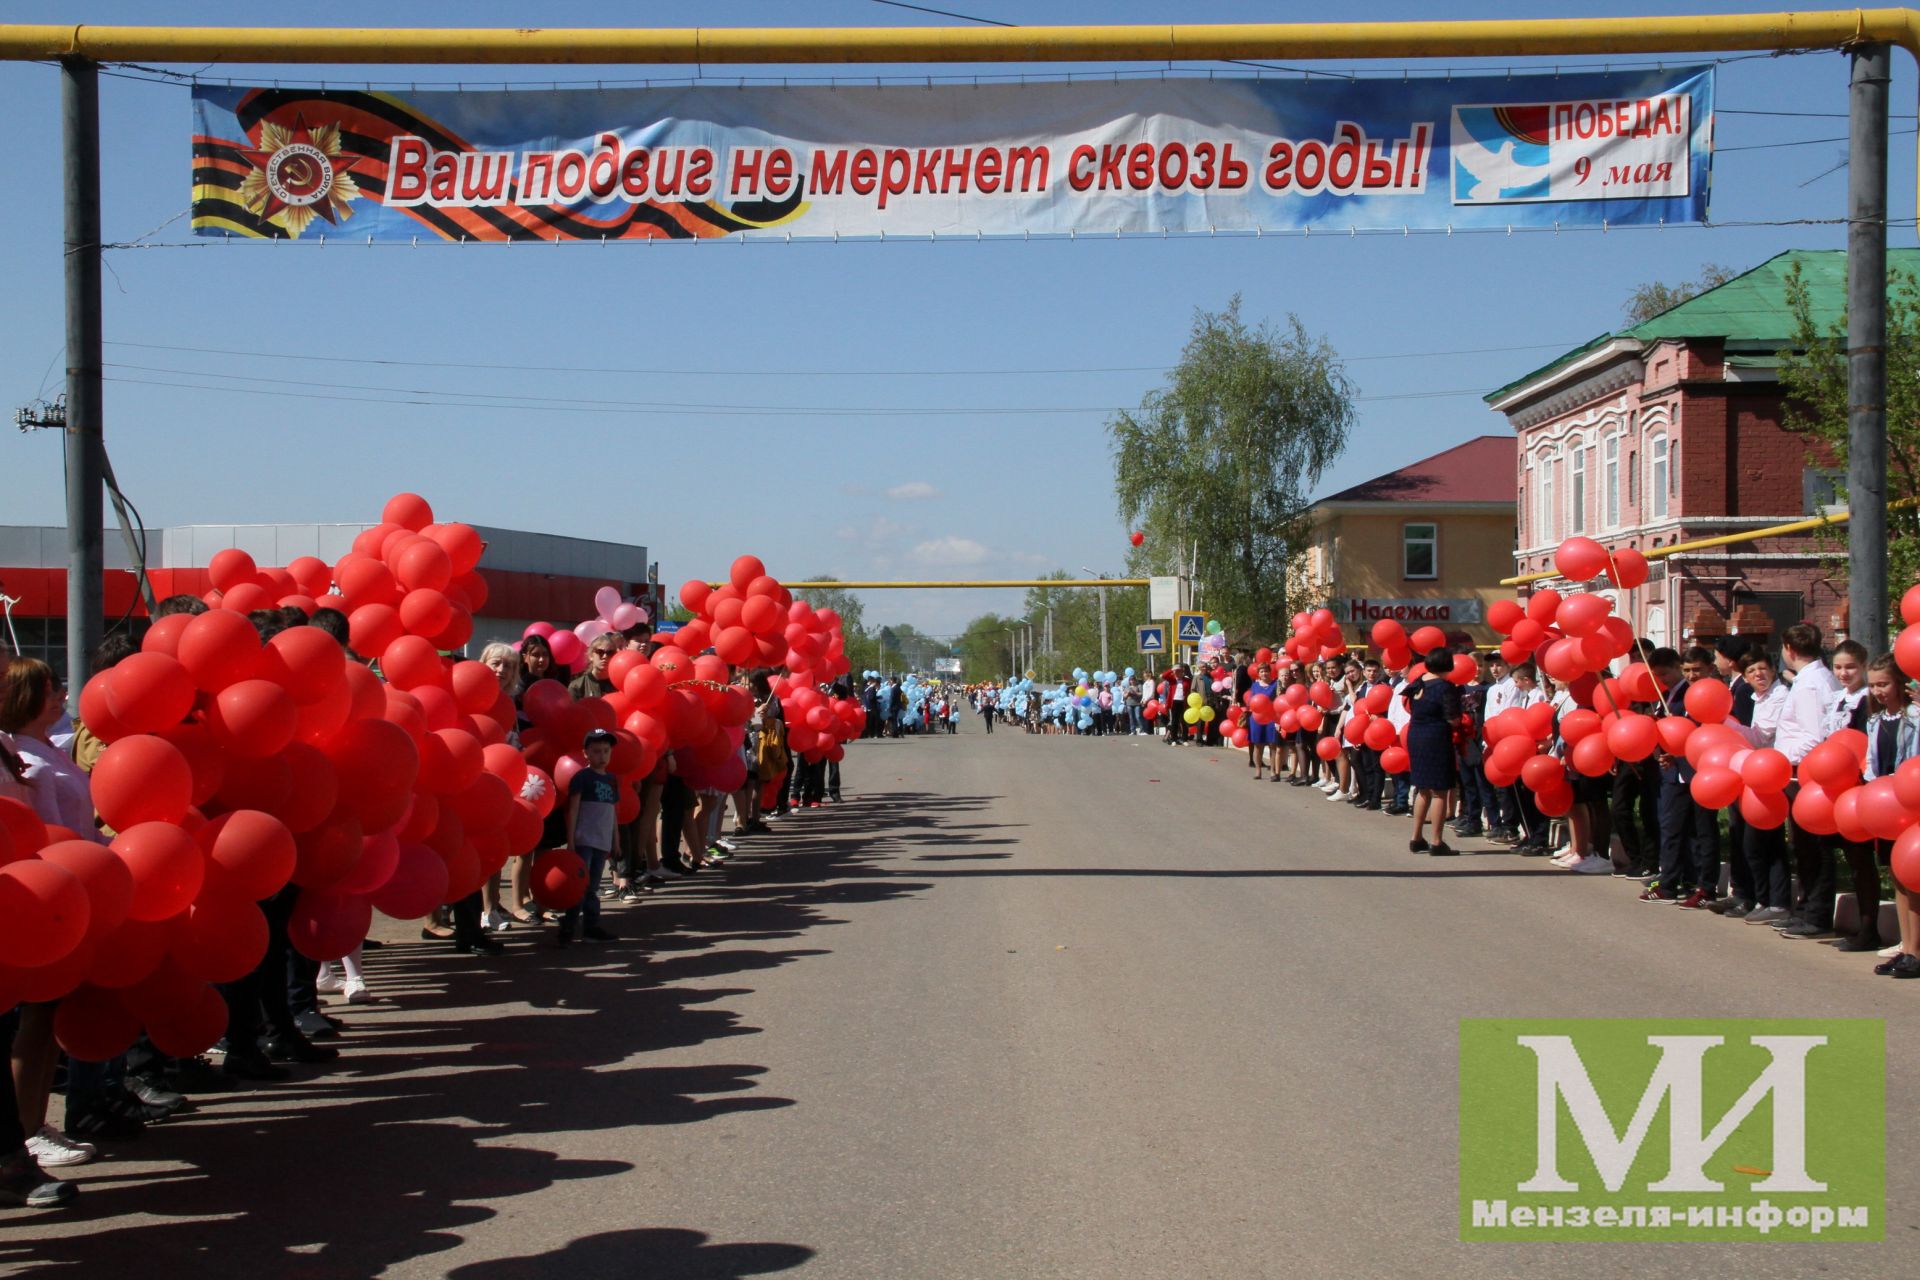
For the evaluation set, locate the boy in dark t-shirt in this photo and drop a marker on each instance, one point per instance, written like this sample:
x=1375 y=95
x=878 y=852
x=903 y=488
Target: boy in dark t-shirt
x=593 y=795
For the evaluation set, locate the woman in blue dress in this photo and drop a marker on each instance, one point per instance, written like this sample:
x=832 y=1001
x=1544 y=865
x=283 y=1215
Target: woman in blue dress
x=1433 y=702
x=1263 y=738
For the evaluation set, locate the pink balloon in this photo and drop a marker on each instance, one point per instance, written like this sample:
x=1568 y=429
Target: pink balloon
x=625 y=616
x=541 y=629
x=605 y=601
x=566 y=647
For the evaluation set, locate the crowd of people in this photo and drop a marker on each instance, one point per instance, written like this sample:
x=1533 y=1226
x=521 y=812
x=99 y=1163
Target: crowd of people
x=275 y=1014
x=1639 y=820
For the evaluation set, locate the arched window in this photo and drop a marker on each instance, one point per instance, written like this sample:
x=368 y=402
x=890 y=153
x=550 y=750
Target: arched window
x=1659 y=477
x=1610 y=481
x=1577 y=491
x=1657 y=625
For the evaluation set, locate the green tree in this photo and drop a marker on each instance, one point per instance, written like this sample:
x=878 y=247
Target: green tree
x=985 y=649
x=1650 y=299
x=1076 y=625
x=1222 y=458
x=1813 y=373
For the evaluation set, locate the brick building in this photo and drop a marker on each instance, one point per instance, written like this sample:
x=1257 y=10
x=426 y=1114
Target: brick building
x=1671 y=431
x=1428 y=543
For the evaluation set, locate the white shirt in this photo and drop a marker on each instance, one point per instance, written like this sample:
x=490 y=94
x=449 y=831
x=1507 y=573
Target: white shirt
x=1399 y=714
x=1840 y=711
x=56 y=787
x=1501 y=696
x=1803 y=725
x=1767 y=711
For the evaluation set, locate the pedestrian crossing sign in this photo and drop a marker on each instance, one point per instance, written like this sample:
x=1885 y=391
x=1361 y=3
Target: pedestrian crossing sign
x=1153 y=638
x=1190 y=628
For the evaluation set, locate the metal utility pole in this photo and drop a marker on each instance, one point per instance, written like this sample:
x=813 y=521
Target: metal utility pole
x=1013 y=658
x=1103 y=617
x=1867 y=347
x=80 y=147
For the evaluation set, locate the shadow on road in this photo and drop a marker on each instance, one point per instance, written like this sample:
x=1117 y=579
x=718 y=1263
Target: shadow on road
x=435 y=1116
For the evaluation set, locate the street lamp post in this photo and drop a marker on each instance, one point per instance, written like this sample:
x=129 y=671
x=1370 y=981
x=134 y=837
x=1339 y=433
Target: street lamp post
x=1103 y=616
x=1013 y=659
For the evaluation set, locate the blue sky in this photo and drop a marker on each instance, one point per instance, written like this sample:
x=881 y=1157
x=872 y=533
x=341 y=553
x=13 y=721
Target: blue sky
x=991 y=493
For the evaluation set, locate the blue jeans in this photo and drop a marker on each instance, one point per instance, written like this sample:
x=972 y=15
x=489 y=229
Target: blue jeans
x=1477 y=796
x=589 y=908
x=1402 y=788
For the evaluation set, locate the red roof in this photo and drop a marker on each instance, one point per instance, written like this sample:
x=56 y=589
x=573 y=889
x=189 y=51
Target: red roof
x=1481 y=470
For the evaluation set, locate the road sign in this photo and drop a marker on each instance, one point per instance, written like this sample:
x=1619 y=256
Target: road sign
x=1153 y=638
x=946 y=666
x=1189 y=628
x=1165 y=597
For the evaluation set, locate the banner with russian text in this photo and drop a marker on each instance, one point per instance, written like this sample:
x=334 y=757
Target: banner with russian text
x=1086 y=157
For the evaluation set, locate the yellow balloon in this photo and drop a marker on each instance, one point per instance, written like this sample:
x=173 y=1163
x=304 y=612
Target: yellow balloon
x=1194 y=700
x=1190 y=716
x=1206 y=713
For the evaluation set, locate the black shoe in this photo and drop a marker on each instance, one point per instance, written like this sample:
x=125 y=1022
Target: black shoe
x=252 y=1066
x=25 y=1185
x=297 y=1048
x=564 y=938
x=1860 y=942
x=1905 y=966
x=1396 y=810
x=479 y=947
x=315 y=1025
x=198 y=1075
x=594 y=933
x=151 y=1091
x=1444 y=850
x=1417 y=845
x=1530 y=850
x=105 y=1123
x=1804 y=929
x=130 y=1104
x=1472 y=829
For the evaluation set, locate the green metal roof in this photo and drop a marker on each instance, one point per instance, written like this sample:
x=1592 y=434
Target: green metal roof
x=1750 y=308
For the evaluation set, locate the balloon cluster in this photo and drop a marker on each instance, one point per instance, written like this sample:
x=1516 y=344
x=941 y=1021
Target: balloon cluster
x=1316 y=635
x=235 y=768
x=569 y=647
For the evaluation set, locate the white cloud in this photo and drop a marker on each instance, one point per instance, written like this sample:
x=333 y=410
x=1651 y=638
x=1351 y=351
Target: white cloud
x=913 y=489
x=951 y=552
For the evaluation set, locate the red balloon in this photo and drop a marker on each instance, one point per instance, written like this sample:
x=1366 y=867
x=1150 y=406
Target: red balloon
x=148 y=692
x=372 y=628
x=141 y=779
x=1675 y=731
x=1708 y=701
x=324 y=855
x=376 y=764
x=423 y=566
x=1766 y=810
x=105 y=878
x=46 y=909
x=190 y=1023
x=745 y=570
x=694 y=594
x=1427 y=639
x=1580 y=559
x=450 y=759
x=1633 y=737
x=1846 y=816
x=1387 y=633
x=1542 y=605
x=476 y=688
x=410 y=661
x=219 y=648
x=1503 y=614
x=1592 y=756
x=305 y=661
x=219 y=938
x=1766 y=770
x=1629 y=569
x=230 y=567
x=1136 y=537
x=1881 y=811
x=1581 y=615
x=1576 y=725
x=1394 y=760
x=1906 y=854
x=167 y=868
x=1906 y=651
x=253 y=718
x=408 y=510
x=417 y=884
x=1716 y=788
x=326 y=926
x=93 y=1026
x=1830 y=765
x=1543 y=773
x=1906 y=781
x=379 y=855
x=249 y=855
x=1555 y=803
x=1327 y=748
x=1813 y=811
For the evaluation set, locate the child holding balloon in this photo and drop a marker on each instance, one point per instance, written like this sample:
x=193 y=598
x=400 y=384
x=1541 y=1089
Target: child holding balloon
x=1893 y=738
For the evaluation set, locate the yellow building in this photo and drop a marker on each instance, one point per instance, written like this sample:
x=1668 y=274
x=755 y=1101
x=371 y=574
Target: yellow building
x=1424 y=545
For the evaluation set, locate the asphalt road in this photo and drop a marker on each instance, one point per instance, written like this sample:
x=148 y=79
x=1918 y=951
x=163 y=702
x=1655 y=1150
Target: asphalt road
x=1023 y=1006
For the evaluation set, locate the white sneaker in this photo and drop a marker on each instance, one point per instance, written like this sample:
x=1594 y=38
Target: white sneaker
x=1565 y=858
x=1335 y=794
x=355 y=992
x=326 y=979
x=53 y=1148
x=1593 y=865
x=1888 y=953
